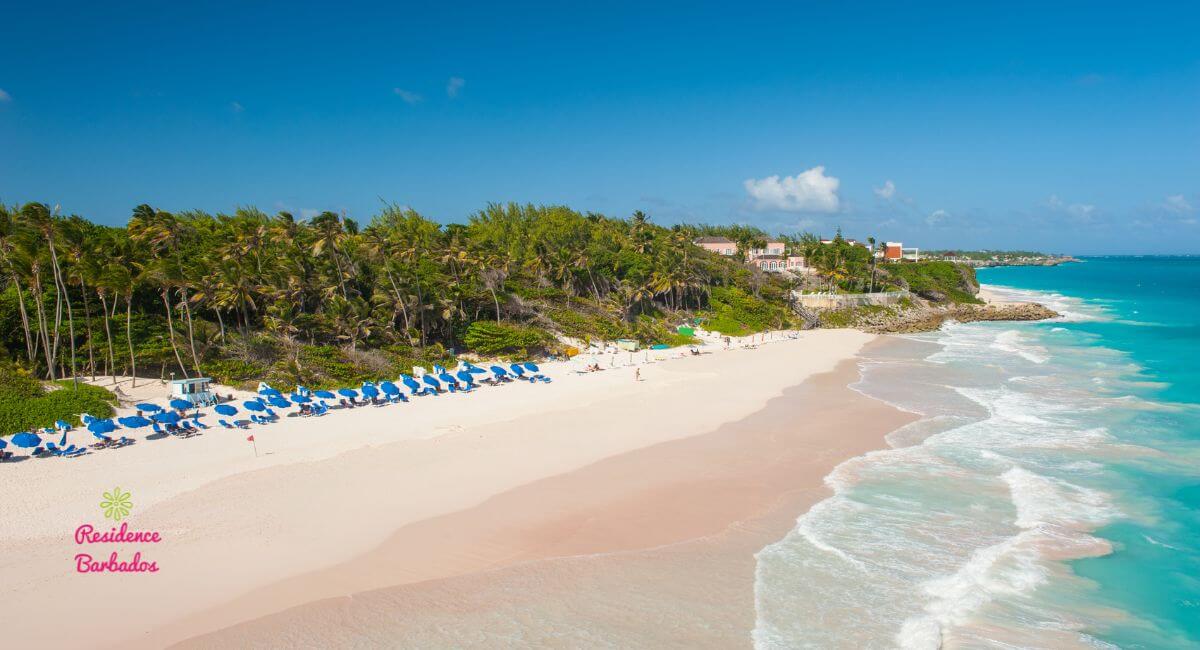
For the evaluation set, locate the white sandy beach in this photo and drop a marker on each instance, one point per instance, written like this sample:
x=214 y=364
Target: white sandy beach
x=326 y=491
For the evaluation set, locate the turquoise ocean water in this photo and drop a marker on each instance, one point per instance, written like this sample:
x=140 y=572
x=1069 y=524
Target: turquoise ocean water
x=1049 y=495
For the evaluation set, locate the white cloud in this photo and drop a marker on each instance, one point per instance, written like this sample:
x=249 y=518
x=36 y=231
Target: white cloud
x=454 y=85
x=887 y=191
x=1079 y=211
x=5 y=97
x=936 y=217
x=236 y=107
x=809 y=191
x=408 y=96
x=1178 y=204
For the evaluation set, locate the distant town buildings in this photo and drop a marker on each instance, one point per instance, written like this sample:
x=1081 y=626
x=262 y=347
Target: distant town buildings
x=894 y=251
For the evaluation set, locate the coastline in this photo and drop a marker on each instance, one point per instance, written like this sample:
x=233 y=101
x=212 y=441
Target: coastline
x=333 y=489
x=675 y=524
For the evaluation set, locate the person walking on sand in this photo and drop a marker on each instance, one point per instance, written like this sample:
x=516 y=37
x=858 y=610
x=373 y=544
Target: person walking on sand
x=637 y=374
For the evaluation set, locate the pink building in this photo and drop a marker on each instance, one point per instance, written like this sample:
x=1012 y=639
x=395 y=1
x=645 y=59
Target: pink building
x=718 y=245
x=772 y=248
x=772 y=263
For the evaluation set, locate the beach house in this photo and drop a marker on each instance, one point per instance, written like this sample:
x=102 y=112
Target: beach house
x=771 y=249
x=718 y=245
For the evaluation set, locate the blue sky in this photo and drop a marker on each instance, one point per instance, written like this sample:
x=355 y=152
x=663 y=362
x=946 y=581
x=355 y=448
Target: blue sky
x=1073 y=127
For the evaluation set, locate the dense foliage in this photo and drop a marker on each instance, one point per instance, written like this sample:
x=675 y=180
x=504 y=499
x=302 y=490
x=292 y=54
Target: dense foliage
x=937 y=281
x=247 y=296
x=26 y=403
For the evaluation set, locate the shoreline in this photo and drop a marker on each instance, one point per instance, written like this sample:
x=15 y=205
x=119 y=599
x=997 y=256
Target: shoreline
x=327 y=490
x=721 y=495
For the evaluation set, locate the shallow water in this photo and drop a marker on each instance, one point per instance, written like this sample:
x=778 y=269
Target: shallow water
x=1048 y=497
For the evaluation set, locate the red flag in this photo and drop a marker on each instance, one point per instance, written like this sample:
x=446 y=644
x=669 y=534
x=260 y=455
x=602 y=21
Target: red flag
x=250 y=439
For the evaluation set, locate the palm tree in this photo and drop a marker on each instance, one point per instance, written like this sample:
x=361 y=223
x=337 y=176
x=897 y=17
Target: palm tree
x=10 y=231
x=328 y=226
x=874 y=261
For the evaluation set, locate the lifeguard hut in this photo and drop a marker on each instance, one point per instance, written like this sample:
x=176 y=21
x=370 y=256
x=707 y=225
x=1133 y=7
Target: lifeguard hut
x=197 y=390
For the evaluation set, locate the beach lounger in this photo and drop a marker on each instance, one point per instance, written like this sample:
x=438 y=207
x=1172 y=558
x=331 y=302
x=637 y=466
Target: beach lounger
x=199 y=425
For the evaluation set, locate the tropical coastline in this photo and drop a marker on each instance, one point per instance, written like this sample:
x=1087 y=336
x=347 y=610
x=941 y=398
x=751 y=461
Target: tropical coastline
x=326 y=496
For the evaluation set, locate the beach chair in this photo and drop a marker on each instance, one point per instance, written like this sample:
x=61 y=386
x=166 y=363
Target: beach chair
x=198 y=424
x=52 y=449
x=5 y=455
x=225 y=424
x=241 y=424
x=122 y=442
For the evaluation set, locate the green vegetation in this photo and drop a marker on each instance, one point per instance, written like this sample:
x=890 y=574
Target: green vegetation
x=492 y=338
x=249 y=296
x=849 y=316
x=736 y=313
x=936 y=281
x=26 y=403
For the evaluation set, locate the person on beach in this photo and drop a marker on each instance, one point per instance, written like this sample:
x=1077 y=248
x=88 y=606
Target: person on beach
x=637 y=374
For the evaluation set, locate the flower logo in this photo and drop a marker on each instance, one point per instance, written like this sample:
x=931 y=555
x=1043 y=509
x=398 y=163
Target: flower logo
x=116 y=504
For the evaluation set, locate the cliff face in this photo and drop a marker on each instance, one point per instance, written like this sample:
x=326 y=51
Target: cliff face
x=927 y=318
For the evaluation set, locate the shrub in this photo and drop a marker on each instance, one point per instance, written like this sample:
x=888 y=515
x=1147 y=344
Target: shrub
x=25 y=403
x=492 y=338
x=737 y=313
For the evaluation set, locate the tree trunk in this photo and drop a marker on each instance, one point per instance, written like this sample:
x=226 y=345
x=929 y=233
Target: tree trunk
x=43 y=325
x=171 y=333
x=129 y=337
x=30 y=347
x=399 y=298
x=187 y=311
x=112 y=364
x=87 y=315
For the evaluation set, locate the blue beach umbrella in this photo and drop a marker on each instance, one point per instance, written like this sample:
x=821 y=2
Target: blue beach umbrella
x=300 y=399
x=166 y=417
x=465 y=376
x=390 y=388
x=475 y=370
x=531 y=366
x=370 y=392
x=134 y=422
x=149 y=408
x=498 y=371
x=102 y=426
x=347 y=392
x=252 y=405
x=428 y=379
x=26 y=439
x=225 y=409
x=3 y=443
x=270 y=392
x=517 y=369
x=280 y=402
x=324 y=394
x=447 y=378
x=412 y=384
x=62 y=424
x=181 y=404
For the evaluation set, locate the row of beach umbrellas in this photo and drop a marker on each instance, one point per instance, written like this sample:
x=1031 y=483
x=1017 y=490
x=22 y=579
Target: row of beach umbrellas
x=271 y=397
